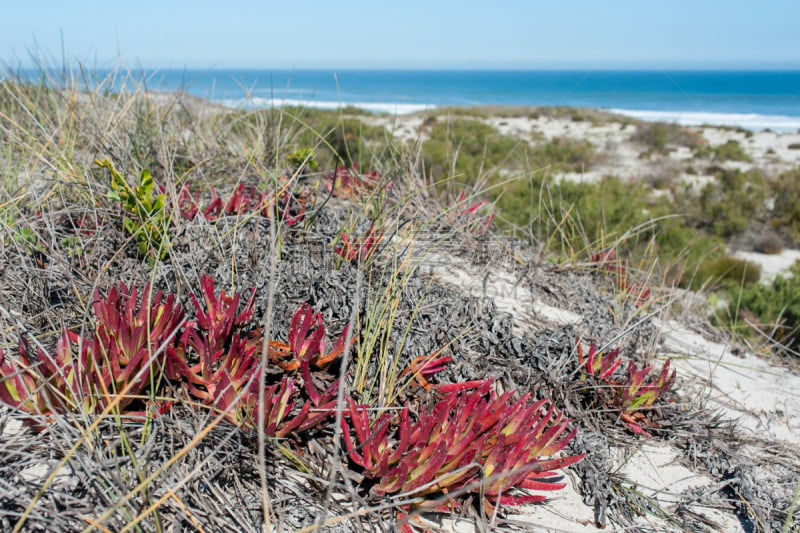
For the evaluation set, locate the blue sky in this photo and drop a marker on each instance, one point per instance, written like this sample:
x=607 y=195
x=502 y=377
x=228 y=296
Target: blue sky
x=409 y=34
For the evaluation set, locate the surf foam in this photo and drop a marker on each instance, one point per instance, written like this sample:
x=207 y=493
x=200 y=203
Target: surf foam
x=750 y=121
x=375 y=107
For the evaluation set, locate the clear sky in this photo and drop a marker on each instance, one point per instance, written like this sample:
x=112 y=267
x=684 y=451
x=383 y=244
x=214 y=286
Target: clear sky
x=407 y=34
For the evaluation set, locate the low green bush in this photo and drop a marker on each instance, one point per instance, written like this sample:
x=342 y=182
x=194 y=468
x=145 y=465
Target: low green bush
x=564 y=154
x=729 y=204
x=470 y=148
x=785 y=212
x=769 y=243
x=723 y=271
x=776 y=307
x=658 y=136
x=730 y=151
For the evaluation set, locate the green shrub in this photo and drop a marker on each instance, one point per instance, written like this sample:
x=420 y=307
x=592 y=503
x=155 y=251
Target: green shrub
x=724 y=270
x=573 y=217
x=658 y=136
x=589 y=211
x=336 y=137
x=728 y=205
x=785 y=211
x=730 y=151
x=470 y=148
x=769 y=243
x=563 y=154
x=302 y=160
x=776 y=307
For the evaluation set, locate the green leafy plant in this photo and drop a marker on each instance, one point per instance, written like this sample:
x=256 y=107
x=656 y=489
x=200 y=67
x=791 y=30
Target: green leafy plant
x=465 y=148
x=727 y=205
x=146 y=219
x=302 y=160
x=785 y=212
x=729 y=151
x=724 y=270
x=772 y=309
x=659 y=136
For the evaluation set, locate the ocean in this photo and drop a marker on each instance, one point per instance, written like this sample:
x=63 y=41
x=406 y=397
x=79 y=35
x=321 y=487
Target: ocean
x=750 y=99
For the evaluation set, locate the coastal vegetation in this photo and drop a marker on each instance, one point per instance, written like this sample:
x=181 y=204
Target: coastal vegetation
x=659 y=136
x=217 y=319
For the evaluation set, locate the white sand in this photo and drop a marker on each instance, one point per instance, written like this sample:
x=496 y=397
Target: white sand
x=771 y=264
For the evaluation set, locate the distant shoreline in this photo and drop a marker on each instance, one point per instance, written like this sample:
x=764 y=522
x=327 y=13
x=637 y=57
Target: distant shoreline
x=752 y=99
x=749 y=121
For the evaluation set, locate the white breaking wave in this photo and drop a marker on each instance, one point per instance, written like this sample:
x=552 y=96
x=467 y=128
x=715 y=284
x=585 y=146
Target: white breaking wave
x=750 y=121
x=375 y=107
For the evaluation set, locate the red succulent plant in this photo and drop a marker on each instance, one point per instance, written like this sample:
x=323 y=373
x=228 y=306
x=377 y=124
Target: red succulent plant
x=244 y=200
x=125 y=353
x=227 y=362
x=476 y=441
x=349 y=182
x=359 y=249
x=635 y=395
x=607 y=260
x=631 y=397
x=307 y=342
x=597 y=363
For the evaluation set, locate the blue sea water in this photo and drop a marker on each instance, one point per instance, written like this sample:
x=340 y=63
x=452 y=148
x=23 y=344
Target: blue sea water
x=752 y=99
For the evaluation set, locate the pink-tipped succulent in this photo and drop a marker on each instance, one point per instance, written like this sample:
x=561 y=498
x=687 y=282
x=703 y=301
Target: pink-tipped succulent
x=607 y=260
x=597 y=363
x=227 y=356
x=244 y=200
x=219 y=315
x=280 y=418
x=630 y=398
x=285 y=206
x=425 y=367
x=188 y=203
x=24 y=386
x=361 y=248
x=636 y=396
x=476 y=440
x=125 y=353
x=307 y=342
x=130 y=345
x=349 y=182
x=473 y=215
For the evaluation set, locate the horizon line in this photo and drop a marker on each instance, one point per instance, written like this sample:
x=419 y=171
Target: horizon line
x=4 y=66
